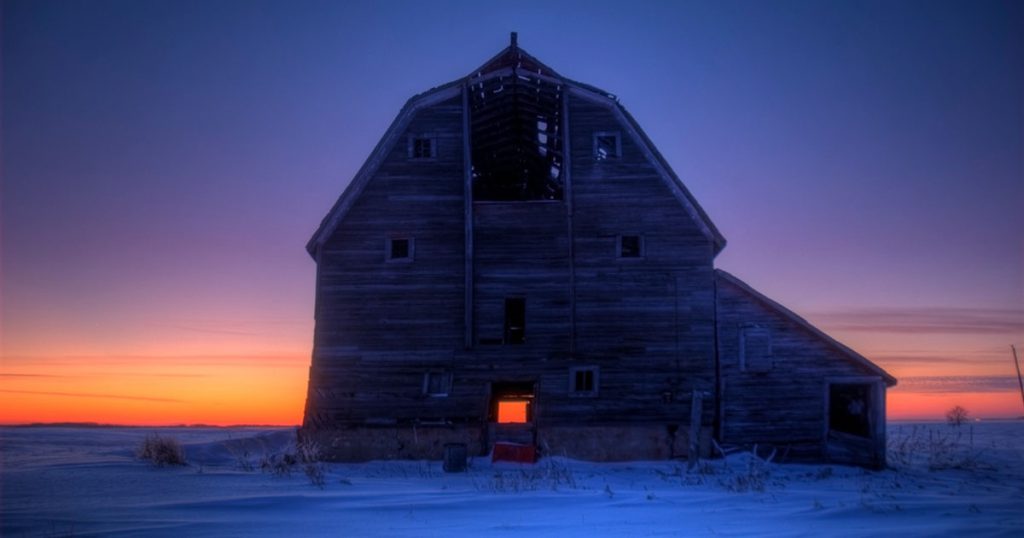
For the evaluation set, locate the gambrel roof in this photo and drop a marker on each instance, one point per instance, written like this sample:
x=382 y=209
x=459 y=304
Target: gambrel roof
x=512 y=61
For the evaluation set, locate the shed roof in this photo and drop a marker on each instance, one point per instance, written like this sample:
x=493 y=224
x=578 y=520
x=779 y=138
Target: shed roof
x=792 y=316
x=512 y=59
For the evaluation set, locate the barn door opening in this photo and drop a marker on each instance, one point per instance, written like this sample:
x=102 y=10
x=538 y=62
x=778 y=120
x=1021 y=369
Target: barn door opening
x=511 y=413
x=855 y=421
x=511 y=403
x=848 y=408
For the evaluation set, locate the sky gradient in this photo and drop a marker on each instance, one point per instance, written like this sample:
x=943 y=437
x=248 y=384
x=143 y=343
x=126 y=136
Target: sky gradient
x=165 y=162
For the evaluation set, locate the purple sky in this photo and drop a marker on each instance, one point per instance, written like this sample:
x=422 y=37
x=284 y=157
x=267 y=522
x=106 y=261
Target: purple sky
x=164 y=163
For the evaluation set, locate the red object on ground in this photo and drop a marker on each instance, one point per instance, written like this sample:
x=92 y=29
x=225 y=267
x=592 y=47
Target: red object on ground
x=514 y=452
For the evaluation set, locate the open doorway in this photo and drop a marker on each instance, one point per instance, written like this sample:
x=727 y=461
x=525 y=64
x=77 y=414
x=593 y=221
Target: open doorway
x=510 y=414
x=855 y=421
x=848 y=405
x=511 y=403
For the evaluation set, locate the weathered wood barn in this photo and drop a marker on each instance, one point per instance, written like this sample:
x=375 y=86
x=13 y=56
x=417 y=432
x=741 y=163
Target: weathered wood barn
x=516 y=261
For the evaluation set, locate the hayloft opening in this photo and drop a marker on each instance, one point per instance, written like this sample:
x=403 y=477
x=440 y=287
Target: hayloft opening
x=848 y=408
x=516 y=138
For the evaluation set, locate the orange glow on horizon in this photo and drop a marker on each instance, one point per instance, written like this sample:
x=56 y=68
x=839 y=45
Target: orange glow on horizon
x=512 y=412
x=233 y=388
x=155 y=391
x=933 y=405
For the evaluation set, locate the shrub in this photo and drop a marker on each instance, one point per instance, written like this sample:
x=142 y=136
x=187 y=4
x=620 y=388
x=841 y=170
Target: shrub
x=161 y=450
x=309 y=454
x=956 y=416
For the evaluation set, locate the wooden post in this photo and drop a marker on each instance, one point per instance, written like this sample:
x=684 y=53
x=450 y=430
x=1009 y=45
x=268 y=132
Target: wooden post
x=467 y=207
x=1017 y=364
x=693 y=449
x=567 y=193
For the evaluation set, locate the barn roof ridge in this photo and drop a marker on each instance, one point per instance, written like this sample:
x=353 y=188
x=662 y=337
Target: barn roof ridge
x=889 y=379
x=510 y=58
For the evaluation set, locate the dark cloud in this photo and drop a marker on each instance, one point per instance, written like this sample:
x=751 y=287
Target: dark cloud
x=957 y=384
x=966 y=359
x=926 y=320
x=214 y=331
x=86 y=395
x=212 y=359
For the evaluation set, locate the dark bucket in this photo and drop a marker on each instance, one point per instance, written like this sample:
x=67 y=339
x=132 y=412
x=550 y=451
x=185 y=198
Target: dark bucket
x=454 y=457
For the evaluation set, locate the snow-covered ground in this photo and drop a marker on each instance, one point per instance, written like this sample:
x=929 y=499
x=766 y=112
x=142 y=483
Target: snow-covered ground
x=87 y=481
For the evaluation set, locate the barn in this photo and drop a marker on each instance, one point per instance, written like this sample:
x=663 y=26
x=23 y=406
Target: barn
x=516 y=262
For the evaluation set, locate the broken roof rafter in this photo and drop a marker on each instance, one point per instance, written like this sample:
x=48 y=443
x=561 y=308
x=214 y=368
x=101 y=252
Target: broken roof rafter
x=514 y=118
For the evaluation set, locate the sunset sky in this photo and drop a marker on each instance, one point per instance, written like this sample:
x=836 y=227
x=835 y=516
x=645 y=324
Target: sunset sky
x=165 y=162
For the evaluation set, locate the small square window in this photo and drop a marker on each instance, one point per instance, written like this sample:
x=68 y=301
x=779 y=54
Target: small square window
x=631 y=246
x=583 y=381
x=422 y=147
x=437 y=384
x=607 y=146
x=399 y=249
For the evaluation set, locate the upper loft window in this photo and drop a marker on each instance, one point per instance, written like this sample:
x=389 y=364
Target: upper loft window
x=516 y=136
x=399 y=249
x=630 y=246
x=422 y=147
x=583 y=381
x=755 y=349
x=515 y=320
x=607 y=145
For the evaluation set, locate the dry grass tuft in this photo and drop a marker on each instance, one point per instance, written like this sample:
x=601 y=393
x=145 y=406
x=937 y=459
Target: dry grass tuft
x=161 y=451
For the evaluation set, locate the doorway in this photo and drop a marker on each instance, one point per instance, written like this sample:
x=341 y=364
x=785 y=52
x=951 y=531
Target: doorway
x=848 y=408
x=855 y=421
x=511 y=412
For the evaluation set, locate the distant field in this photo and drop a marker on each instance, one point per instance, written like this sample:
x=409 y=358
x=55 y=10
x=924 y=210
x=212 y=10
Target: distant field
x=75 y=481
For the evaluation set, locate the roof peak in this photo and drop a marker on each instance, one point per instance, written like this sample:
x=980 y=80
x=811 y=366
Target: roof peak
x=515 y=57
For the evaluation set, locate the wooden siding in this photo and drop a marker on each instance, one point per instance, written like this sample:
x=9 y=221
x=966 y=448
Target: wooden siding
x=662 y=329
x=646 y=322
x=381 y=325
x=784 y=405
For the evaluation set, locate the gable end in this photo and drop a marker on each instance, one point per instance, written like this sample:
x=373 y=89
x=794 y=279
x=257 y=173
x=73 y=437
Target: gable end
x=853 y=356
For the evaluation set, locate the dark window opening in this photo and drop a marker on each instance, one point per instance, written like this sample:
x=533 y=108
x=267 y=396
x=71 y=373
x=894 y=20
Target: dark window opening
x=606 y=146
x=422 y=148
x=583 y=381
x=630 y=246
x=515 y=320
x=516 y=137
x=437 y=383
x=399 y=249
x=848 y=408
x=511 y=403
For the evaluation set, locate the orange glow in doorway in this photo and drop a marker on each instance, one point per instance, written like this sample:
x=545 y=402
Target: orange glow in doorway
x=511 y=412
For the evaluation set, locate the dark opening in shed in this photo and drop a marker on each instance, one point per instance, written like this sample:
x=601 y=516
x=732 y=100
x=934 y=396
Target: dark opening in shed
x=848 y=408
